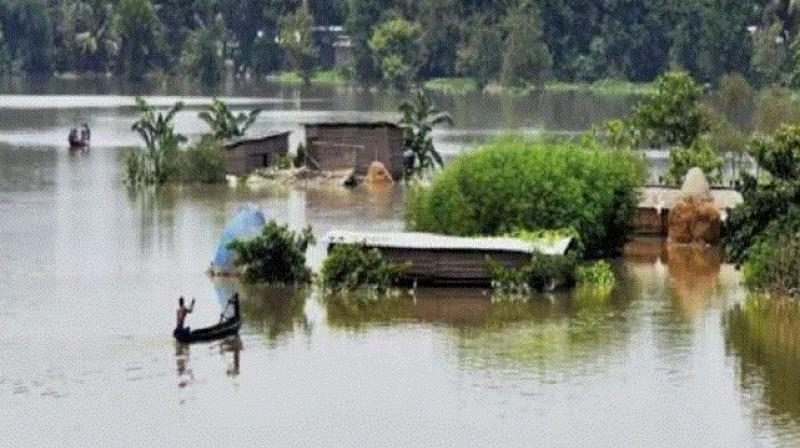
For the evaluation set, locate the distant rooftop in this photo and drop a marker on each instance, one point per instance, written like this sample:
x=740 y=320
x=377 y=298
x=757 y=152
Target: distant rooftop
x=238 y=141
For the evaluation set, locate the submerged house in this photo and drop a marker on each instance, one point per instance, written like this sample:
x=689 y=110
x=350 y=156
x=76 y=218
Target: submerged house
x=652 y=215
x=354 y=145
x=245 y=155
x=448 y=260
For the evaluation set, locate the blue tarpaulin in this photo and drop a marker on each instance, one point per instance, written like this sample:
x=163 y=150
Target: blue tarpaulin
x=246 y=223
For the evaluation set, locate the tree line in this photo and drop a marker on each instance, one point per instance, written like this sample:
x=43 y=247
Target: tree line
x=514 y=42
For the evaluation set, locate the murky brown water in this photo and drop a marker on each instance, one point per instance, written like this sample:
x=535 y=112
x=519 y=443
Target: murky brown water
x=90 y=273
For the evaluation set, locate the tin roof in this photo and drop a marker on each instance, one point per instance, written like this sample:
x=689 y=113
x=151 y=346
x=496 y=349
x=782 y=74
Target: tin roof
x=230 y=144
x=354 y=123
x=430 y=241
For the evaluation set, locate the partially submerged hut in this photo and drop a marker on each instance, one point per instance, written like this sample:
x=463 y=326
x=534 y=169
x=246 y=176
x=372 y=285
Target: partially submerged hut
x=354 y=145
x=652 y=215
x=439 y=259
x=245 y=155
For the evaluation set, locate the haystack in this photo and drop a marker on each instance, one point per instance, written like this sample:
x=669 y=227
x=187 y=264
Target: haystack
x=377 y=174
x=695 y=217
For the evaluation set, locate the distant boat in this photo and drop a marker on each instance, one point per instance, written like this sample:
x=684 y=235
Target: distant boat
x=77 y=140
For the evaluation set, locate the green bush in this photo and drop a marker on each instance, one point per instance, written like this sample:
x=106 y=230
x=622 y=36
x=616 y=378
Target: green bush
x=773 y=265
x=541 y=273
x=517 y=183
x=598 y=274
x=203 y=162
x=771 y=201
x=351 y=266
x=700 y=154
x=275 y=256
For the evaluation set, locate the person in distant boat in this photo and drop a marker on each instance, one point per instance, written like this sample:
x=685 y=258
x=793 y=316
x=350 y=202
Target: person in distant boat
x=73 y=136
x=181 y=314
x=86 y=133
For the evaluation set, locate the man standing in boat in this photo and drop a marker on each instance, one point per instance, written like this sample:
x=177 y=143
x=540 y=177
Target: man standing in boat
x=181 y=314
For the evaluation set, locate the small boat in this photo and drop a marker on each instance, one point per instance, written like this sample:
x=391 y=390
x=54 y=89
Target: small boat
x=225 y=328
x=229 y=327
x=78 y=140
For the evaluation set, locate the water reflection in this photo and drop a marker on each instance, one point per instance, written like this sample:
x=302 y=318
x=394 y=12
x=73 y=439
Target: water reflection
x=275 y=312
x=764 y=335
x=229 y=349
x=694 y=276
x=545 y=331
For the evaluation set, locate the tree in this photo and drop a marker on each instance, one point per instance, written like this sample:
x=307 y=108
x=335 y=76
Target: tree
x=224 y=124
x=202 y=54
x=672 y=116
x=29 y=35
x=770 y=55
x=6 y=62
x=138 y=28
x=89 y=37
x=397 y=46
x=526 y=58
x=420 y=116
x=361 y=19
x=297 y=41
x=772 y=201
x=478 y=56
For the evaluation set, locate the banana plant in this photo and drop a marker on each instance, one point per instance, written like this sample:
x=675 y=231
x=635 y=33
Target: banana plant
x=420 y=116
x=224 y=124
x=161 y=142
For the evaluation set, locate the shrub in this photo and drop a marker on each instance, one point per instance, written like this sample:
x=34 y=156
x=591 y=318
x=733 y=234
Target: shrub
x=771 y=201
x=541 y=273
x=203 y=162
x=351 y=266
x=517 y=183
x=275 y=256
x=773 y=265
x=700 y=154
x=598 y=274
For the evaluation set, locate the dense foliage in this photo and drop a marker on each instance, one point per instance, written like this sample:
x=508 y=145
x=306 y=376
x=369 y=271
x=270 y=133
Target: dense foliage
x=516 y=183
x=275 y=256
x=351 y=266
x=772 y=201
x=155 y=163
x=518 y=41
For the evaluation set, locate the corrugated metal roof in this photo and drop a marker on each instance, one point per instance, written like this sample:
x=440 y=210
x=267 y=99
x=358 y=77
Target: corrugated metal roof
x=663 y=198
x=360 y=123
x=230 y=144
x=430 y=241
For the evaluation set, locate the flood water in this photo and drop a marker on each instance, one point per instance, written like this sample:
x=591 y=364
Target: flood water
x=90 y=273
